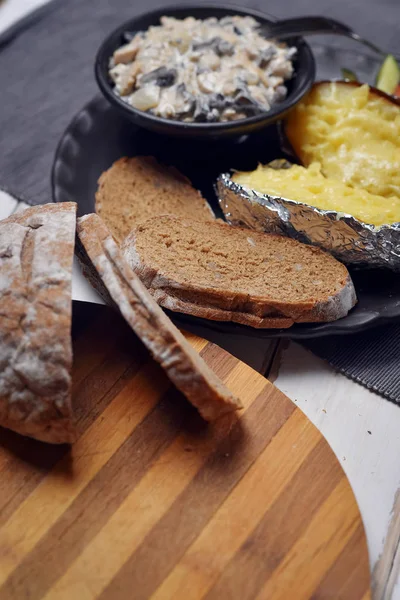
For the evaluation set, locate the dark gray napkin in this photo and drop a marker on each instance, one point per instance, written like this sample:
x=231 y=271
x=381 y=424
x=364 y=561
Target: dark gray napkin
x=371 y=358
x=46 y=75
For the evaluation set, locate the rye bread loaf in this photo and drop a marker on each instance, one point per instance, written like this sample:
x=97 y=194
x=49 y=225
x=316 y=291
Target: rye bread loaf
x=228 y=273
x=135 y=189
x=36 y=253
x=170 y=349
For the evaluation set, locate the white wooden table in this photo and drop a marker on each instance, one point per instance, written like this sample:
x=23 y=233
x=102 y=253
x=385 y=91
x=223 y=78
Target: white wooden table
x=362 y=428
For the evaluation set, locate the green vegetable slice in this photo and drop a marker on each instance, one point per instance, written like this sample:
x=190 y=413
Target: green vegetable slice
x=349 y=75
x=389 y=75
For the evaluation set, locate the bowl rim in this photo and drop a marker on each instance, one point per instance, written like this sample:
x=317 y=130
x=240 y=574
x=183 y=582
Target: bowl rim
x=219 y=127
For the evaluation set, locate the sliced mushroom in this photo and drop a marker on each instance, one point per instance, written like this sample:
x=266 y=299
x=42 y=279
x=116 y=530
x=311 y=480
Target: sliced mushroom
x=265 y=56
x=162 y=77
x=223 y=47
x=244 y=102
x=201 y=110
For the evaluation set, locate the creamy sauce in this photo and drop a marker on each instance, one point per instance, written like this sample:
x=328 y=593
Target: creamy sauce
x=202 y=71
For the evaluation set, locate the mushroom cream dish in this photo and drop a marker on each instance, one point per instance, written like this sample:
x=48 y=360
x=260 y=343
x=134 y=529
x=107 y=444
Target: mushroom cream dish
x=205 y=71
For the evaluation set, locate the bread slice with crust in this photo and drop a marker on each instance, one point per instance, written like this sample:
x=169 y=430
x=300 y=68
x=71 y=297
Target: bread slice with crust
x=171 y=302
x=135 y=189
x=228 y=273
x=102 y=260
x=36 y=253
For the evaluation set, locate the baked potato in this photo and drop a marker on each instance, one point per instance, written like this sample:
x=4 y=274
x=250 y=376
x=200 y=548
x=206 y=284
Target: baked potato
x=353 y=131
x=309 y=186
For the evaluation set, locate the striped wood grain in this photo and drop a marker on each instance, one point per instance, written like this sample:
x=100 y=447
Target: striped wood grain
x=153 y=503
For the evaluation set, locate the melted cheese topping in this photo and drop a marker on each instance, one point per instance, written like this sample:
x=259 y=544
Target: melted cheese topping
x=311 y=187
x=353 y=132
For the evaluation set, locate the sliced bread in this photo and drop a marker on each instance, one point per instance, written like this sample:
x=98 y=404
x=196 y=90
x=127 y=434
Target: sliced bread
x=228 y=273
x=36 y=253
x=135 y=189
x=104 y=264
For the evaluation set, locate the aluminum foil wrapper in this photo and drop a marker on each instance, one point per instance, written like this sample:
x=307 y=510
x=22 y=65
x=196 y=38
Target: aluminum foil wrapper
x=347 y=238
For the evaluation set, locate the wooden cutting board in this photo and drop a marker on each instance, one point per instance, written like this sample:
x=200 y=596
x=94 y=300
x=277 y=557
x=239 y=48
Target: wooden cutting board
x=153 y=503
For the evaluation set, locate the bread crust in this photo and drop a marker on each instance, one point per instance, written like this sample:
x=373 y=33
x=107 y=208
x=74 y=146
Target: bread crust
x=320 y=312
x=218 y=314
x=170 y=349
x=36 y=254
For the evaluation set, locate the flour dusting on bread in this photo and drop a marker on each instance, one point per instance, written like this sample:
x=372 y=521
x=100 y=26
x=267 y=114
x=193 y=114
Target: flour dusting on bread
x=36 y=253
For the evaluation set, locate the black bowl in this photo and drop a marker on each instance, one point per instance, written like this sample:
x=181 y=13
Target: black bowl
x=300 y=83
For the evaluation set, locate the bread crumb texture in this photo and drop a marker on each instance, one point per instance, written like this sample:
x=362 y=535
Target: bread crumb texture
x=227 y=258
x=237 y=269
x=136 y=189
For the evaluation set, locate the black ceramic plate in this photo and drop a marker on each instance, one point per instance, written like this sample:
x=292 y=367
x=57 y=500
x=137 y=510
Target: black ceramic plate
x=99 y=135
